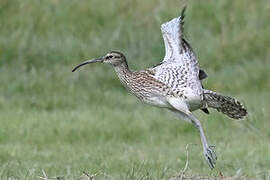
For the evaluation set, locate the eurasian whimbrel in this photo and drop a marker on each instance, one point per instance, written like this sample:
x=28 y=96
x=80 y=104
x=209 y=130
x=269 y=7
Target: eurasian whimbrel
x=175 y=83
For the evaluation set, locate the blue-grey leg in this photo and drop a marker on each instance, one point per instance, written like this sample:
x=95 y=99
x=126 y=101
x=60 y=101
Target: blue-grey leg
x=208 y=152
x=181 y=109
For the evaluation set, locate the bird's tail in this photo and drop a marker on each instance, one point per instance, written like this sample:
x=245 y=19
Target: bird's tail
x=225 y=104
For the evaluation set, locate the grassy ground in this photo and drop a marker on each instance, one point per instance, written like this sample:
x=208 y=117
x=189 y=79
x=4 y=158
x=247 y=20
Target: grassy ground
x=65 y=123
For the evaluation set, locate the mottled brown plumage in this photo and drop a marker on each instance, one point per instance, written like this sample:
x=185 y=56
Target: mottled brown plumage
x=175 y=83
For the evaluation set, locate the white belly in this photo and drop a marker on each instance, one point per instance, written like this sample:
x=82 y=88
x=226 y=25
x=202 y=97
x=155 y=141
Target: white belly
x=194 y=102
x=157 y=101
x=194 y=98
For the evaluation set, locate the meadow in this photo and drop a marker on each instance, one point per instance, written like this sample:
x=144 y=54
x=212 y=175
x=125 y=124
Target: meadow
x=66 y=123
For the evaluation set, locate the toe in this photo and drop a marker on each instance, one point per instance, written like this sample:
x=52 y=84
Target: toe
x=210 y=163
x=212 y=154
x=211 y=157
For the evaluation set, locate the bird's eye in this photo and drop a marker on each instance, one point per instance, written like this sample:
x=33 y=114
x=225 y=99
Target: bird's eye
x=109 y=57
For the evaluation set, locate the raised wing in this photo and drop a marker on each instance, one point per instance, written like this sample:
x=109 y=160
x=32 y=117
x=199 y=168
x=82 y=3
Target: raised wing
x=180 y=69
x=177 y=48
x=172 y=33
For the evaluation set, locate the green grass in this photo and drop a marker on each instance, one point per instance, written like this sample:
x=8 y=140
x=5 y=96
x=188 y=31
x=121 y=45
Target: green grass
x=65 y=123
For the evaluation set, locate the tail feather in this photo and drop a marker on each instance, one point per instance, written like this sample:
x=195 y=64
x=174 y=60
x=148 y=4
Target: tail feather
x=225 y=104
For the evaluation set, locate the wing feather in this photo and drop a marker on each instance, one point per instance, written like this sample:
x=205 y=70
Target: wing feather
x=177 y=48
x=172 y=33
x=179 y=69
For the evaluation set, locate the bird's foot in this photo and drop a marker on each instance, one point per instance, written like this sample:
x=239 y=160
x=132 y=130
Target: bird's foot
x=210 y=156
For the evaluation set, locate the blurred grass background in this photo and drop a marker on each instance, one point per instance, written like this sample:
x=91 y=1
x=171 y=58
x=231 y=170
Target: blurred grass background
x=66 y=123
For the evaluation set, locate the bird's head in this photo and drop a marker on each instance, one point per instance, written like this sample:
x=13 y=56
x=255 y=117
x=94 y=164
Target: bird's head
x=115 y=58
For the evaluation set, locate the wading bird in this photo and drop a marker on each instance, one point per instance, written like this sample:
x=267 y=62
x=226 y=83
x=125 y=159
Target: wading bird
x=175 y=83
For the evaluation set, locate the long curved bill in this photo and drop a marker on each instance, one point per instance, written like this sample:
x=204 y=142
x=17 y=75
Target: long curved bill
x=88 y=62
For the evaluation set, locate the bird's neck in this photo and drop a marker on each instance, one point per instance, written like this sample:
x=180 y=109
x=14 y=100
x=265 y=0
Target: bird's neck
x=123 y=72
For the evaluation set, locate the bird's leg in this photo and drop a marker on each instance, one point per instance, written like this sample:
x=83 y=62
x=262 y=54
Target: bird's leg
x=181 y=109
x=209 y=154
